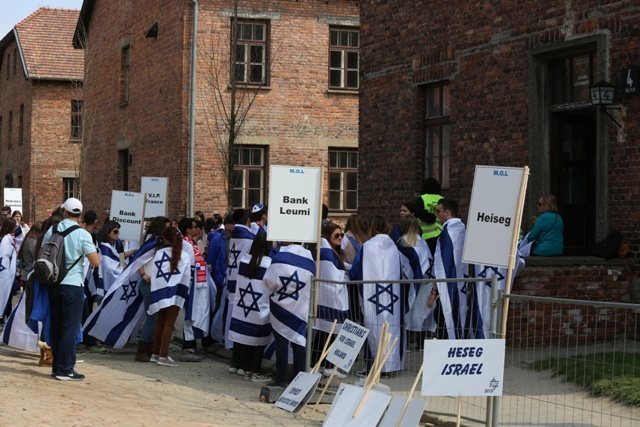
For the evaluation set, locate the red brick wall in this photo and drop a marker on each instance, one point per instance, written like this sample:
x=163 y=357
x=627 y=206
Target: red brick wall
x=294 y=117
x=46 y=147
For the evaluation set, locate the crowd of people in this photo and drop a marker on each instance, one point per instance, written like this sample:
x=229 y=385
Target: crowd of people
x=236 y=287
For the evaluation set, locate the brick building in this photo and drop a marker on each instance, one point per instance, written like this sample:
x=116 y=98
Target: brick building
x=40 y=110
x=296 y=61
x=447 y=87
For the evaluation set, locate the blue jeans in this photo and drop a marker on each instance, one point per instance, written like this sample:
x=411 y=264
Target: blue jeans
x=282 y=358
x=146 y=332
x=66 y=303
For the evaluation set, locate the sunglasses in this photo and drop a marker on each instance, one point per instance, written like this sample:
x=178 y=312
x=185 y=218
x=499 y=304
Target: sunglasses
x=341 y=235
x=115 y=231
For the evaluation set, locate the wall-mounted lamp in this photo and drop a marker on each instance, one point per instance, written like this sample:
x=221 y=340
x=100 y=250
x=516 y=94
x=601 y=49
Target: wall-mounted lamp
x=602 y=95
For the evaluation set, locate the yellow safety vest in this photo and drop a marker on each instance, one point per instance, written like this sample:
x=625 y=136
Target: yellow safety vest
x=434 y=229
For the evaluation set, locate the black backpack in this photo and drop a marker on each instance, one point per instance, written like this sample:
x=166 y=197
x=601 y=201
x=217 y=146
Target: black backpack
x=51 y=267
x=607 y=247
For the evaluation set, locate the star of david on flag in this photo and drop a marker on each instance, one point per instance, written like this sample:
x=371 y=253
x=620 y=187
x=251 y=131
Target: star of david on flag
x=234 y=255
x=255 y=297
x=165 y=275
x=129 y=290
x=2 y=267
x=489 y=271
x=376 y=298
x=286 y=281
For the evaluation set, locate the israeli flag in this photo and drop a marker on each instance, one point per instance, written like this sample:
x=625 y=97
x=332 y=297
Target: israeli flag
x=250 y=320
x=16 y=332
x=121 y=311
x=240 y=243
x=333 y=299
x=479 y=302
x=169 y=287
x=198 y=307
x=448 y=265
x=288 y=278
x=383 y=301
x=416 y=262
x=8 y=257
x=109 y=268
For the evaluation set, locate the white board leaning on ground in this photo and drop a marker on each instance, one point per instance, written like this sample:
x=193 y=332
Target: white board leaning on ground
x=294 y=203
x=127 y=208
x=492 y=215
x=156 y=190
x=13 y=199
x=463 y=367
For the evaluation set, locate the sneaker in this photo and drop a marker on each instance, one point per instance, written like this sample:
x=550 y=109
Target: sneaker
x=327 y=373
x=98 y=349
x=71 y=376
x=189 y=355
x=167 y=361
x=261 y=378
x=232 y=370
x=154 y=358
x=363 y=373
x=240 y=372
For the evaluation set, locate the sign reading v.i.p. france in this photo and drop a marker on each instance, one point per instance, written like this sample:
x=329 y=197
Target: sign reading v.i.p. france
x=156 y=190
x=294 y=203
x=492 y=215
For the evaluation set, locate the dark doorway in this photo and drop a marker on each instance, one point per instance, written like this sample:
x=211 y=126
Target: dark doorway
x=573 y=177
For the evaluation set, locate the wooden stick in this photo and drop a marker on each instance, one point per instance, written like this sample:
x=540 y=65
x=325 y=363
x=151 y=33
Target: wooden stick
x=459 y=411
x=377 y=373
x=413 y=389
x=326 y=386
x=325 y=351
x=382 y=344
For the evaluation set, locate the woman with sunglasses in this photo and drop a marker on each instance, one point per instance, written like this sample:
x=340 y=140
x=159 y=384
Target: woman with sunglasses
x=110 y=267
x=547 y=233
x=333 y=299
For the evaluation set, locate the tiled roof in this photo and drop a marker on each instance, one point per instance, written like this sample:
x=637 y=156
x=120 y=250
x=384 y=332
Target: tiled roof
x=45 y=40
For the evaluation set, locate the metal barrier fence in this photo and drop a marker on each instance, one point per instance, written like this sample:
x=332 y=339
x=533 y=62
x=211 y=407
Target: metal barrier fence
x=545 y=336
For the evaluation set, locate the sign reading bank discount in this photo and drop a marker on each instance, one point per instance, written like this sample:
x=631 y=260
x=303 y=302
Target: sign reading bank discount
x=463 y=367
x=294 y=204
x=127 y=208
x=492 y=215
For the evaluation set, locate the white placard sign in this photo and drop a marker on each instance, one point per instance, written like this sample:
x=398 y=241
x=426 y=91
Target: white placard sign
x=347 y=345
x=492 y=215
x=294 y=203
x=347 y=400
x=156 y=190
x=298 y=393
x=463 y=367
x=13 y=199
x=127 y=208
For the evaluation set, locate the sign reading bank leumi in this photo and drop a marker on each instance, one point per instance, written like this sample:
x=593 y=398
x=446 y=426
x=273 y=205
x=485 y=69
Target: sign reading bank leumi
x=294 y=203
x=492 y=215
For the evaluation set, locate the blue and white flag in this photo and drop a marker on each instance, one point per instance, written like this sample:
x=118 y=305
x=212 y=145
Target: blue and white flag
x=415 y=263
x=333 y=299
x=382 y=302
x=121 y=311
x=289 y=278
x=250 y=320
x=240 y=243
x=109 y=268
x=479 y=302
x=16 y=332
x=448 y=265
x=8 y=257
x=169 y=287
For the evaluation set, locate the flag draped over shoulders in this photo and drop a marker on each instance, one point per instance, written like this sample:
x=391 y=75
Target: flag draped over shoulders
x=448 y=265
x=415 y=262
x=8 y=257
x=288 y=278
x=120 y=311
x=16 y=332
x=198 y=306
x=333 y=299
x=382 y=302
x=169 y=287
x=109 y=268
x=250 y=320
x=240 y=242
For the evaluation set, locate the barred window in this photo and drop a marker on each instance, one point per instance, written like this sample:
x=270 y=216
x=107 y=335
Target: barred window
x=76 y=119
x=343 y=180
x=436 y=133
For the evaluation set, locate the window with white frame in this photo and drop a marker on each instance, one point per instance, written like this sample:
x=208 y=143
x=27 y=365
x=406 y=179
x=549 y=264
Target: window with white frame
x=343 y=180
x=249 y=176
x=251 y=62
x=344 y=58
x=69 y=188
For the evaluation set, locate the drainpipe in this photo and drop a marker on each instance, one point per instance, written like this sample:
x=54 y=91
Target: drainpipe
x=192 y=114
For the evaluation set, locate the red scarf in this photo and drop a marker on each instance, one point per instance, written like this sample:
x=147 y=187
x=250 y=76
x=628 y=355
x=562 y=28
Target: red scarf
x=201 y=265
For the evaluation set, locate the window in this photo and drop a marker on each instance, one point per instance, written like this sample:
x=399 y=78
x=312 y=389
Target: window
x=8 y=66
x=436 y=133
x=125 y=65
x=124 y=161
x=21 y=125
x=571 y=78
x=344 y=58
x=69 y=188
x=251 y=55
x=343 y=180
x=249 y=176
x=10 y=130
x=76 y=119
x=15 y=60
